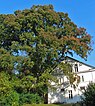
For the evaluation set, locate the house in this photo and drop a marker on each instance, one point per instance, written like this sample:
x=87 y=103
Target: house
x=67 y=93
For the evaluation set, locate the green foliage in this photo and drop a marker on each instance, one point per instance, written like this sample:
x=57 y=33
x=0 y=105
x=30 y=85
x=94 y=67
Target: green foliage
x=30 y=99
x=89 y=95
x=5 y=84
x=10 y=99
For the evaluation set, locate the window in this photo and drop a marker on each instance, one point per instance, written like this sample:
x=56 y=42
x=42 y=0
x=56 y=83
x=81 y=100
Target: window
x=82 y=78
x=82 y=88
x=62 y=90
x=60 y=81
x=76 y=68
x=71 y=85
x=80 y=64
x=70 y=94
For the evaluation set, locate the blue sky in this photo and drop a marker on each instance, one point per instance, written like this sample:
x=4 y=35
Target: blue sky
x=80 y=11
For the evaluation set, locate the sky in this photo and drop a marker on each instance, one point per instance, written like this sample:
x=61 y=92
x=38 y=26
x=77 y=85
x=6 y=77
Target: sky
x=81 y=13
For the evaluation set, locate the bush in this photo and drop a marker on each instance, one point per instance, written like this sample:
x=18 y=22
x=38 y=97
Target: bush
x=89 y=95
x=30 y=98
x=11 y=99
x=15 y=99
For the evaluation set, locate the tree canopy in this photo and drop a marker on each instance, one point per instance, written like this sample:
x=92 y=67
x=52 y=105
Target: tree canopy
x=34 y=41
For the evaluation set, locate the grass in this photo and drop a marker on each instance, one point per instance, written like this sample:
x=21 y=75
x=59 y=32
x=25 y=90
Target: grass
x=49 y=105
x=41 y=105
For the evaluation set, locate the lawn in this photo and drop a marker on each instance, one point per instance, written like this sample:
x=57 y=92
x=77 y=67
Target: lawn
x=44 y=105
x=52 y=105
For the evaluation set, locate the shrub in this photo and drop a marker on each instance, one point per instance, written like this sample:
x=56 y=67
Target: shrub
x=30 y=98
x=89 y=95
x=11 y=99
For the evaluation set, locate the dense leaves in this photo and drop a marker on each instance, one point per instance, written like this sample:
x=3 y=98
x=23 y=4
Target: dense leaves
x=34 y=41
x=30 y=99
x=89 y=95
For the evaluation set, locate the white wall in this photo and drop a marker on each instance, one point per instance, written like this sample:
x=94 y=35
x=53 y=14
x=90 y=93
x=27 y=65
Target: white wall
x=55 y=96
x=84 y=71
x=81 y=66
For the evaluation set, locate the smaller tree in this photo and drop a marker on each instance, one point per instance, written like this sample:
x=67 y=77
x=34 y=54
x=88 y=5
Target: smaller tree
x=89 y=95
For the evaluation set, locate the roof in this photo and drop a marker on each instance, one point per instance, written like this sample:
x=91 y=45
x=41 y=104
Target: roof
x=86 y=71
x=80 y=62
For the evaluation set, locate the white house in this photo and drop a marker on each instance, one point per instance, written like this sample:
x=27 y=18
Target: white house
x=66 y=93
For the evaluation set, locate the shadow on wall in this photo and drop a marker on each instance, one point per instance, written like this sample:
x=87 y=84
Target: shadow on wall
x=56 y=98
x=60 y=98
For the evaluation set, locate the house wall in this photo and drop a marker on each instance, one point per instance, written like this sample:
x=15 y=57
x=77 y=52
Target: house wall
x=62 y=93
x=55 y=96
x=77 y=92
x=81 y=67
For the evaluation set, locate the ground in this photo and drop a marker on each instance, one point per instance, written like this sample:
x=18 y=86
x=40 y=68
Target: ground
x=53 y=105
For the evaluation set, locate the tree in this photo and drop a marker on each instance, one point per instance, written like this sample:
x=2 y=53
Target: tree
x=89 y=95
x=34 y=41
